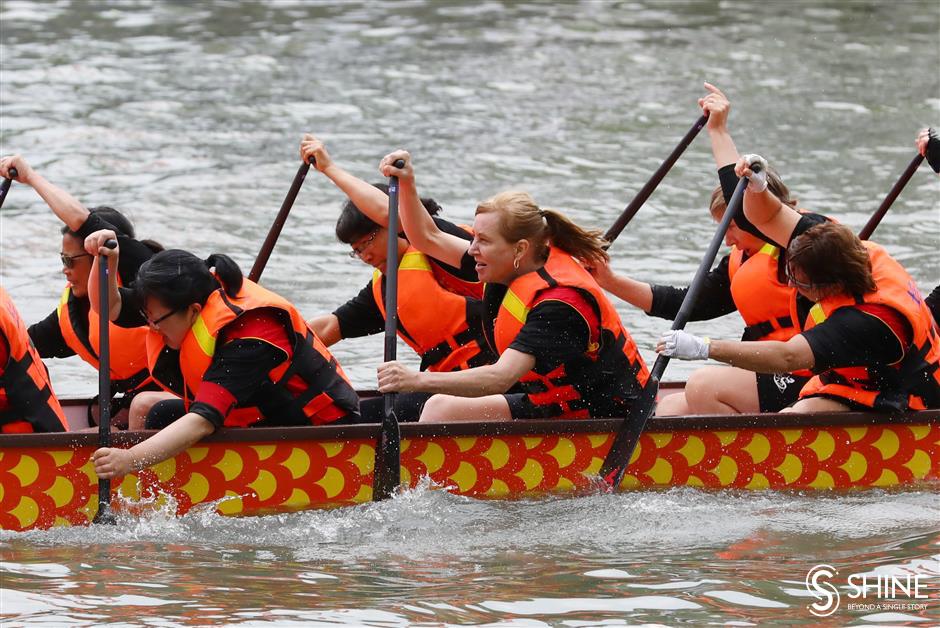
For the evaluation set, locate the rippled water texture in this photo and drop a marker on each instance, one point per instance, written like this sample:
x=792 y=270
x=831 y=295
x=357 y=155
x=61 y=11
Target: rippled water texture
x=188 y=117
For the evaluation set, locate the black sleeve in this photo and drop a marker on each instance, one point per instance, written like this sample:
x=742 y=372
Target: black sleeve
x=133 y=252
x=806 y=221
x=835 y=341
x=360 y=316
x=933 y=302
x=554 y=332
x=47 y=338
x=729 y=181
x=933 y=150
x=241 y=367
x=130 y=315
x=713 y=301
x=468 y=266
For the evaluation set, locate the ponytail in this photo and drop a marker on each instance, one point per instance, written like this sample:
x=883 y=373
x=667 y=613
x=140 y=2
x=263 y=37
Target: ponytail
x=583 y=244
x=227 y=272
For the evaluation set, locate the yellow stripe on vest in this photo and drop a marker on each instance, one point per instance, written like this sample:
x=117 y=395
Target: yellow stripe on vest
x=817 y=314
x=414 y=261
x=63 y=301
x=205 y=340
x=771 y=250
x=515 y=306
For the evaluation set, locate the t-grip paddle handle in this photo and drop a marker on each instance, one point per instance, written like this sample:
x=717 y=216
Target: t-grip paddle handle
x=5 y=186
x=104 y=514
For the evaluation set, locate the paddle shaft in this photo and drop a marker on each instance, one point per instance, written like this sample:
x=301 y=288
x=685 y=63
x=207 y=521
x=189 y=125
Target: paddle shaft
x=387 y=468
x=5 y=186
x=618 y=457
x=630 y=210
x=873 y=222
x=275 y=231
x=104 y=514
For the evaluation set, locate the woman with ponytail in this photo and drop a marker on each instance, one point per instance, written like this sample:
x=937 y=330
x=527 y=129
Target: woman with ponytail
x=563 y=351
x=232 y=353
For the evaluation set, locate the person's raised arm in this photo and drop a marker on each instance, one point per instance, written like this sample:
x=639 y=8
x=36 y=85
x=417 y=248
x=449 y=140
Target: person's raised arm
x=372 y=201
x=94 y=245
x=68 y=208
x=419 y=225
x=717 y=106
x=492 y=379
x=928 y=145
x=767 y=213
x=636 y=293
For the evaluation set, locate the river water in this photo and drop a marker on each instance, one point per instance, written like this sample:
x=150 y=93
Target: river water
x=188 y=117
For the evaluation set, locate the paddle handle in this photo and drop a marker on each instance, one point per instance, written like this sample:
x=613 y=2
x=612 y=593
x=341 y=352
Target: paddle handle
x=275 y=231
x=5 y=186
x=104 y=514
x=386 y=476
x=630 y=210
x=618 y=456
x=873 y=222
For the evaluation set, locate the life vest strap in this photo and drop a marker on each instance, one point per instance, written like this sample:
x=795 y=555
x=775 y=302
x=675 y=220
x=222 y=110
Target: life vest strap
x=765 y=328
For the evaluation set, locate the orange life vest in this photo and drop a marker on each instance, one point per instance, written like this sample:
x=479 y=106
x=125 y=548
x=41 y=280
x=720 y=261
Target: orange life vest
x=325 y=393
x=24 y=386
x=762 y=300
x=444 y=328
x=884 y=387
x=128 y=345
x=610 y=370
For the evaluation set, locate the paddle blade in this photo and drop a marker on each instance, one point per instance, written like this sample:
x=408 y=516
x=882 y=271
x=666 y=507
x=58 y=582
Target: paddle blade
x=618 y=456
x=387 y=473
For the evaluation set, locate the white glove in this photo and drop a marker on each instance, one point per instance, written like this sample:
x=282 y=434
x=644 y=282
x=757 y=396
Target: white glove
x=757 y=182
x=683 y=345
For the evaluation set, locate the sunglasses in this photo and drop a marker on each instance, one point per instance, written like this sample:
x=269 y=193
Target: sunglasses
x=68 y=261
x=358 y=251
x=154 y=322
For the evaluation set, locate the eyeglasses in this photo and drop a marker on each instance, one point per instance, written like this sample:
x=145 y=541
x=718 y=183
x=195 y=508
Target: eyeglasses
x=802 y=285
x=68 y=261
x=358 y=251
x=154 y=322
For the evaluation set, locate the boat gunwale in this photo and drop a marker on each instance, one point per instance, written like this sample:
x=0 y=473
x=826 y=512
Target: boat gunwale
x=542 y=427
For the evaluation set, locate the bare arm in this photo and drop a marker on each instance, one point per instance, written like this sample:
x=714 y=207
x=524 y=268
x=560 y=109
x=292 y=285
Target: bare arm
x=326 y=328
x=171 y=440
x=419 y=226
x=765 y=356
x=634 y=292
x=765 y=211
x=68 y=209
x=481 y=381
x=717 y=106
x=372 y=201
x=94 y=245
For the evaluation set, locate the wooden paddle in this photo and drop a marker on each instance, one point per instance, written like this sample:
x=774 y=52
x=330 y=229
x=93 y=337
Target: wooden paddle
x=873 y=222
x=630 y=210
x=104 y=515
x=262 y=260
x=618 y=457
x=386 y=475
x=5 y=186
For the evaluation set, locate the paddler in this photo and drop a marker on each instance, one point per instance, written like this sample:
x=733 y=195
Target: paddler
x=234 y=353
x=868 y=335
x=72 y=328
x=928 y=145
x=437 y=316
x=557 y=335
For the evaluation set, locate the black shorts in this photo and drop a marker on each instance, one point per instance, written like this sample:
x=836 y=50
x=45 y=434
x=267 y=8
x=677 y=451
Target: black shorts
x=776 y=392
x=521 y=407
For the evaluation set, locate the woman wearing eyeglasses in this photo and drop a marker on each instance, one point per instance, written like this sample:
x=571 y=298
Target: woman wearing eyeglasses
x=438 y=314
x=72 y=328
x=868 y=334
x=557 y=335
x=234 y=353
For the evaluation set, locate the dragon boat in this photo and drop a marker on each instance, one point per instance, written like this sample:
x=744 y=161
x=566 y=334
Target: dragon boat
x=47 y=480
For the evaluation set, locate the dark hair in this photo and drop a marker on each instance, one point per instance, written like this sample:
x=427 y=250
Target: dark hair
x=830 y=254
x=520 y=218
x=178 y=278
x=352 y=224
x=775 y=184
x=121 y=224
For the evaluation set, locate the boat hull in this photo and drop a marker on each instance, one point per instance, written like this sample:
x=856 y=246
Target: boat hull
x=48 y=480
